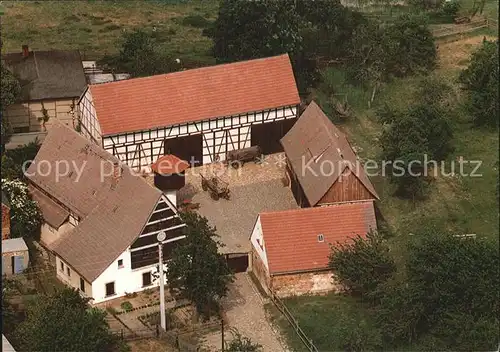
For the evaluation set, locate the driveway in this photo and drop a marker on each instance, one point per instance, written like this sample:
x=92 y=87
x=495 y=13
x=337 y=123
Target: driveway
x=245 y=311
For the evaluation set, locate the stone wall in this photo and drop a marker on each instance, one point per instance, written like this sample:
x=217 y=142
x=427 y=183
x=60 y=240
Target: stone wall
x=303 y=283
x=260 y=271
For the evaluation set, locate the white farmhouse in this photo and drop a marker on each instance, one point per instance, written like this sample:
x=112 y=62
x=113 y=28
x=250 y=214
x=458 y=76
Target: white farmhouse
x=100 y=219
x=198 y=115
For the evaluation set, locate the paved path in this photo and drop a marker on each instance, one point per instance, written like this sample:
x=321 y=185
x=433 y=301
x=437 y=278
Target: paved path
x=245 y=311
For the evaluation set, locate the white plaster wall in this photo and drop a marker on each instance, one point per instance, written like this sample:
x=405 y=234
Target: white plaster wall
x=257 y=240
x=171 y=196
x=126 y=280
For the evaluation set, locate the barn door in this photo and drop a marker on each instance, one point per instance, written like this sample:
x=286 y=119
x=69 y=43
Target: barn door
x=17 y=264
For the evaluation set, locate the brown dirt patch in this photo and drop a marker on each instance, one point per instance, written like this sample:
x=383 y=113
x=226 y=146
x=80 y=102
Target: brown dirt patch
x=150 y=345
x=455 y=55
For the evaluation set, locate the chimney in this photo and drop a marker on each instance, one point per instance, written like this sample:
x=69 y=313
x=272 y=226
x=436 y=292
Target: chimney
x=26 y=51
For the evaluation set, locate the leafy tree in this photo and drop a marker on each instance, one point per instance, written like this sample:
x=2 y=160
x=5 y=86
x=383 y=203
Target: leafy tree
x=361 y=265
x=139 y=56
x=14 y=160
x=480 y=80
x=253 y=29
x=240 y=343
x=24 y=212
x=10 y=89
x=64 y=321
x=448 y=298
x=197 y=270
x=9 y=315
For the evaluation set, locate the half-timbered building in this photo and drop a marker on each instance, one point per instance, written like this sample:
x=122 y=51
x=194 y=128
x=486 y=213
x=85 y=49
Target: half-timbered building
x=101 y=220
x=322 y=166
x=198 y=115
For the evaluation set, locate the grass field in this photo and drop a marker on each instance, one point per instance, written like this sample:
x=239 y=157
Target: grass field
x=95 y=27
x=455 y=204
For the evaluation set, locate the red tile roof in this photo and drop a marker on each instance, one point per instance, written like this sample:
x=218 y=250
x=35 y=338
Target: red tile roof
x=291 y=236
x=194 y=95
x=169 y=164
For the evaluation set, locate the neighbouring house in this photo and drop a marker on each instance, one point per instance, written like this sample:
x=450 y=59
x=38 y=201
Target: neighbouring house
x=5 y=217
x=198 y=114
x=101 y=220
x=51 y=84
x=321 y=164
x=15 y=256
x=290 y=248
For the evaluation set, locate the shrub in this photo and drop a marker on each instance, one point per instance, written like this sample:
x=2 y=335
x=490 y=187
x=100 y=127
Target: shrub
x=126 y=306
x=196 y=21
x=362 y=265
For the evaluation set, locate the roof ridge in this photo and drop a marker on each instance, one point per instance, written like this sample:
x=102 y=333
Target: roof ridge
x=331 y=205
x=204 y=68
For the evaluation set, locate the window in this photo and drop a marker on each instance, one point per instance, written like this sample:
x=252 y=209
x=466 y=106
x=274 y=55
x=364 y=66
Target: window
x=62 y=266
x=321 y=238
x=82 y=285
x=110 y=289
x=68 y=271
x=120 y=263
x=146 y=279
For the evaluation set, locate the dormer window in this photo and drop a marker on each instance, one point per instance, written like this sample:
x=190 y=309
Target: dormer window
x=321 y=238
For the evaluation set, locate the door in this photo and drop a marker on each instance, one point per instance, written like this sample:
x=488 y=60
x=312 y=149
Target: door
x=238 y=263
x=267 y=135
x=18 y=264
x=186 y=148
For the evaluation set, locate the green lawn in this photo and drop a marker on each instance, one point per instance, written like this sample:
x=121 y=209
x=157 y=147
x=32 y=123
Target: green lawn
x=95 y=27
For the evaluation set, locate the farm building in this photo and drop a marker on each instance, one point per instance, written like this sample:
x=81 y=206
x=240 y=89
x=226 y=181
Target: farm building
x=198 y=115
x=101 y=219
x=321 y=164
x=51 y=84
x=15 y=256
x=290 y=248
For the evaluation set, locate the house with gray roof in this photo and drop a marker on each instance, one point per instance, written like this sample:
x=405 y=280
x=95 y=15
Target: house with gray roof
x=101 y=219
x=51 y=83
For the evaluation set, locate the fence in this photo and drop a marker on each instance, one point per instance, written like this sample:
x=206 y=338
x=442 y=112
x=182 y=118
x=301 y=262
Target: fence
x=300 y=333
x=129 y=335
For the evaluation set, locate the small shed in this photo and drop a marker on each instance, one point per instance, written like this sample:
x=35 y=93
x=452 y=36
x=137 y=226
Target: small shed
x=15 y=256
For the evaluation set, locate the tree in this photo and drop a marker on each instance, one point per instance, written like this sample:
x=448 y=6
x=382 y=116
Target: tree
x=240 y=343
x=64 y=321
x=14 y=160
x=24 y=212
x=139 y=56
x=254 y=29
x=10 y=89
x=197 y=270
x=362 y=264
x=480 y=81
x=448 y=297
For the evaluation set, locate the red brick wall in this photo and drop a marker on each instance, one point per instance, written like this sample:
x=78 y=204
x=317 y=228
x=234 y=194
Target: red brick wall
x=304 y=283
x=260 y=271
x=5 y=222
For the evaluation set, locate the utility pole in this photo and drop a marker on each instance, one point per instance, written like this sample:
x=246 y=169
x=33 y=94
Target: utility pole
x=161 y=237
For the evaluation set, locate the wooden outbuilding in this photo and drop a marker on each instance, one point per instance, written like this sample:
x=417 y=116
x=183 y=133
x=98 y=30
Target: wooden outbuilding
x=321 y=163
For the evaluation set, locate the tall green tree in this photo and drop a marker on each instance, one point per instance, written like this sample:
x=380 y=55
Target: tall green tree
x=139 y=55
x=25 y=214
x=480 y=80
x=10 y=89
x=362 y=264
x=64 y=321
x=447 y=298
x=197 y=270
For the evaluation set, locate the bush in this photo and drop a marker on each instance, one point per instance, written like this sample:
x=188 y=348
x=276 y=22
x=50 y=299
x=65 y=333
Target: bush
x=196 y=21
x=126 y=306
x=362 y=265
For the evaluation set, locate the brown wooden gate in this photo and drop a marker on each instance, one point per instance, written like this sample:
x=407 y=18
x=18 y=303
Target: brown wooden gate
x=238 y=263
x=267 y=135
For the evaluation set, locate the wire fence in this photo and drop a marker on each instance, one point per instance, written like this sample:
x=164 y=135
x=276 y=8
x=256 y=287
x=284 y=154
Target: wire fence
x=460 y=28
x=308 y=343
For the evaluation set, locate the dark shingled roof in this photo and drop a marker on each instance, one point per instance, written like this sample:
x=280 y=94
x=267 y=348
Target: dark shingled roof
x=53 y=214
x=48 y=74
x=315 y=136
x=113 y=210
